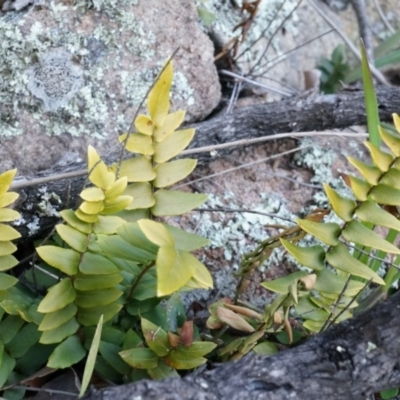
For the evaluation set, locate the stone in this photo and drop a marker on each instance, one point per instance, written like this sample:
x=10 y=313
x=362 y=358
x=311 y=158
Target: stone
x=73 y=73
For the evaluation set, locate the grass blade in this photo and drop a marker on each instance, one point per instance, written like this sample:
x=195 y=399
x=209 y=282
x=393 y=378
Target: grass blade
x=392 y=42
x=371 y=103
x=89 y=367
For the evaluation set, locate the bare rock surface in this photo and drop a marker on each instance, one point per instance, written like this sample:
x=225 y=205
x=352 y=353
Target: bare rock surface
x=73 y=74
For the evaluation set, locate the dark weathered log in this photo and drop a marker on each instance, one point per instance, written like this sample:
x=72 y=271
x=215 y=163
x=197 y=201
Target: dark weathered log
x=350 y=361
x=304 y=113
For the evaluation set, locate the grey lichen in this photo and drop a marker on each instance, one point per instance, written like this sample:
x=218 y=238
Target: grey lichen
x=55 y=79
x=33 y=227
x=238 y=234
x=135 y=86
x=371 y=347
x=319 y=159
x=49 y=203
x=182 y=88
x=112 y=7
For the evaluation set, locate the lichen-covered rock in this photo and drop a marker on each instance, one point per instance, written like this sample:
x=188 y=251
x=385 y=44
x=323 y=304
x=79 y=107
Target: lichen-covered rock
x=74 y=73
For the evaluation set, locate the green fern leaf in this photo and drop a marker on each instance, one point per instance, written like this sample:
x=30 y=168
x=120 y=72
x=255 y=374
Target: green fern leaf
x=174 y=269
x=384 y=194
x=65 y=260
x=94 y=298
x=371 y=213
x=328 y=233
x=138 y=169
x=173 y=202
x=311 y=257
x=380 y=158
x=158 y=100
x=171 y=123
x=359 y=187
x=66 y=354
x=92 y=282
x=339 y=257
x=174 y=171
x=89 y=316
x=60 y=333
x=371 y=173
x=55 y=319
x=142 y=195
x=355 y=232
x=173 y=145
x=58 y=296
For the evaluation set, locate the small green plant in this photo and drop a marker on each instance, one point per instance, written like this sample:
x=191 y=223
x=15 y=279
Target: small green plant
x=338 y=70
x=341 y=275
x=333 y=71
x=110 y=261
x=386 y=54
x=206 y=16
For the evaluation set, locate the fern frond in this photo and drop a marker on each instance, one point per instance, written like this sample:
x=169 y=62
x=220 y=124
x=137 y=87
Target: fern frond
x=375 y=192
x=155 y=143
x=7 y=233
x=89 y=289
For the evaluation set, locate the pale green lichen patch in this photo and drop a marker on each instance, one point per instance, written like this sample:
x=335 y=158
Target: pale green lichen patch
x=182 y=88
x=371 y=347
x=112 y=7
x=136 y=86
x=319 y=159
x=55 y=79
x=234 y=234
x=11 y=66
x=33 y=227
x=49 y=203
x=238 y=233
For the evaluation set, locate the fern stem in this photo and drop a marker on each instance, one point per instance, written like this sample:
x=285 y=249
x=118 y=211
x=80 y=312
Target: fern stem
x=329 y=320
x=121 y=156
x=137 y=281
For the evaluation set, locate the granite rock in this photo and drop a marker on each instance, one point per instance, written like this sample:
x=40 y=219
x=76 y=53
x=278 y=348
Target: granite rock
x=73 y=73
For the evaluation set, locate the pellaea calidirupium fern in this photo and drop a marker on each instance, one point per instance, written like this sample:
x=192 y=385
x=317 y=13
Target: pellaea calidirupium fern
x=351 y=252
x=110 y=262
x=115 y=261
